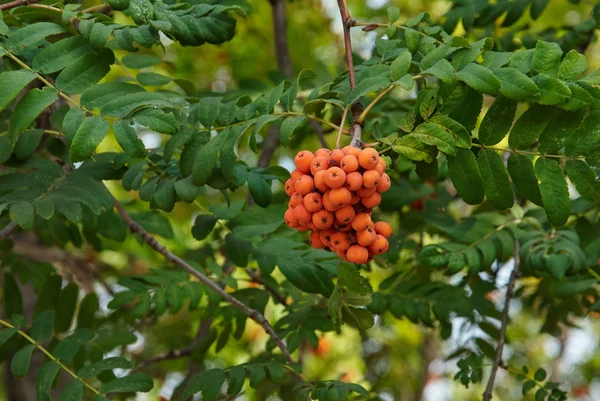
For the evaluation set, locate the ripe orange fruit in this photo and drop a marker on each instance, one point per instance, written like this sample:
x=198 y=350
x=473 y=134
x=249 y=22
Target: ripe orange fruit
x=357 y=254
x=354 y=181
x=295 y=175
x=303 y=159
x=336 y=157
x=351 y=150
x=325 y=236
x=384 y=183
x=372 y=200
x=289 y=187
x=305 y=184
x=349 y=163
x=302 y=214
x=366 y=237
x=345 y=214
x=368 y=158
x=335 y=177
x=313 y=202
x=383 y=228
x=380 y=246
x=319 y=163
x=296 y=199
x=290 y=218
x=366 y=192
x=315 y=240
x=339 y=242
x=381 y=166
x=320 y=181
x=371 y=179
x=340 y=197
x=327 y=203
x=355 y=199
x=302 y=228
x=361 y=222
x=339 y=226
x=323 y=152
x=323 y=219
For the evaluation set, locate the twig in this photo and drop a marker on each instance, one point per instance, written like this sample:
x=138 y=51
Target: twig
x=136 y=228
x=6 y=231
x=363 y=115
x=99 y=8
x=487 y=395
x=257 y=278
x=341 y=130
x=16 y=3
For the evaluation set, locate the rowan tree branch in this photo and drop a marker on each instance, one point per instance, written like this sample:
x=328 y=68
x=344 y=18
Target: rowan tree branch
x=7 y=230
x=16 y=3
x=487 y=395
x=253 y=314
x=276 y=296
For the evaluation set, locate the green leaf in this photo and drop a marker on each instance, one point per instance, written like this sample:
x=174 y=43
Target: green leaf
x=12 y=83
x=528 y=386
x=154 y=222
x=540 y=395
x=462 y=57
x=19 y=365
x=257 y=374
x=72 y=121
x=497 y=121
x=152 y=79
x=65 y=307
x=468 y=111
x=412 y=39
x=516 y=85
x=465 y=175
x=367 y=85
x=495 y=179
x=23 y=214
x=89 y=135
x=260 y=190
x=28 y=109
x=164 y=195
x=44 y=207
x=559 y=130
x=238 y=249
x=85 y=71
x=99 y=35
x=411 y=147
x=44 y=380
x=101 y=94
x=123 y=105
x=554 y=190
x=586 y=136
x=13 y=301
x=61 y=54
x=585 y=180
x=523 y=176
x=28 y=143
x=275 y=370
x=546 y=57
x=137 y=382
x=186 y=190
x=128 y=140
x=41 y=329
x=573 y=65
x=460 y=133
x=287 y=128
x=5 y=148
x=443 y=70
x=139 y=61
x=537 y=8
x=540 y=375
x=157 y=120
x=556 y=264
x=479 y=78
x=22 y=39
x=529 y=127
x=552 y=91
x=351 y=278
x=237 y=376
x=393 y=14
x=73 y=391
x=432 y=134
x=434 y=56
x=207 y=383
x=362 y=319
x=6 y=334
x=206 y=159
x=400 y=65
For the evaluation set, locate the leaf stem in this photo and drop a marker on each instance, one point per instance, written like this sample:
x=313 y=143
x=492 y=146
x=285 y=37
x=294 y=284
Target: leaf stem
x=49 y=355
x=524 y=152
x=341 y=129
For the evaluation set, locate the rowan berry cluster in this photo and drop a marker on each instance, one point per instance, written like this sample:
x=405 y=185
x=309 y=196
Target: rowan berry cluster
x=333 y=193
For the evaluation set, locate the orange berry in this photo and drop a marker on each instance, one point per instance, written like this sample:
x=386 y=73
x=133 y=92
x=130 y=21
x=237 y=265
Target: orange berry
x=380 y=246
x=305 y=184
x=325 y=236
x=290 y=218
x=315 y=240
x=327 y=203
x=323 y=152
x=351 y=150
x=336 y=157
x=357 y=254
x=381 y=166
x=319 y=163
x=303 y=159
x=368 y=158
x=366 y=192
x=361 y=222
x=345 y=214
x=355 y=199
x=349 y=163
x=339 y=242
x=335 y=177
x=302 y=214
x=366 y=237
x=320 y=181
x=383 y=228
x=289 y=187
x=296 y=199
x=313 y=202
x=296 y=174
x=339 y=226
x=354 y=181
x=322 y=219
x=371 y=179
x=372 y=201
x=384 y=183
x=302 y=228
x=312 y=227
x=340 y=196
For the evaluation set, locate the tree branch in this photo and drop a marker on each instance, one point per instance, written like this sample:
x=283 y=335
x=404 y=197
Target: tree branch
x=487 y=395
x=136 y=228
x=16 y=3
x=282 y=52
x=6 y=231
x=276 y=296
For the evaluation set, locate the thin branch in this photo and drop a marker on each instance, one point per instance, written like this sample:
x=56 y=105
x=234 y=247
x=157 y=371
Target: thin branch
x=341 y=130
x=282 y=52
x=523 y=152
x=487 y=395
x=363 y=115
x=347 y=22
x=136 y=228
x=98 y=8
x=257 y=278
x=16 y=3
x=6 y=231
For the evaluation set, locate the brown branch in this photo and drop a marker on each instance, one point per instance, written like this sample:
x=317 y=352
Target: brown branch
x=487 y=395
x=16 y=3
x=6 y=231
x=136 y=228
x=282 y=52
x=257 y=278
x=319 y=131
